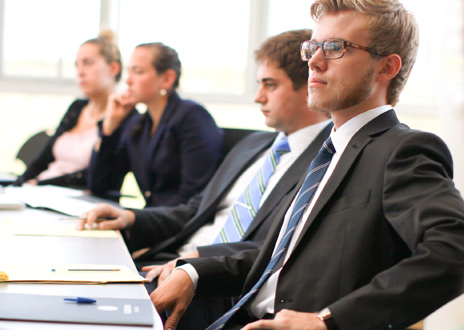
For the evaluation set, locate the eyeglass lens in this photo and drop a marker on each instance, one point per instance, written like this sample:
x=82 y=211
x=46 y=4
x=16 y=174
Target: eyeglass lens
x=331 y=49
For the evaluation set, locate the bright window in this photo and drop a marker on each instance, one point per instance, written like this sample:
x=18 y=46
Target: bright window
x=41 y=37
x=210 y=36
x=215 y=40
x=280 y=19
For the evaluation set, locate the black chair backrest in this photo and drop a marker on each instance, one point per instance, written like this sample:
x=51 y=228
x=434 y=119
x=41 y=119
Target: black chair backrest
x=233 y=135
x=32 y=147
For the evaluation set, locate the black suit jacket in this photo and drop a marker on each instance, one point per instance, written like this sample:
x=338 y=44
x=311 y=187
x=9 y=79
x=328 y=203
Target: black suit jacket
x=384 y=244
x=166 y=229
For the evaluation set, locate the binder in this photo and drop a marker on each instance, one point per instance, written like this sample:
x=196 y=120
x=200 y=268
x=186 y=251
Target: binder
x=44 y=308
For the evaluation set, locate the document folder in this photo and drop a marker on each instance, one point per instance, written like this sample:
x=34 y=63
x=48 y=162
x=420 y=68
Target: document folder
x=110 y=311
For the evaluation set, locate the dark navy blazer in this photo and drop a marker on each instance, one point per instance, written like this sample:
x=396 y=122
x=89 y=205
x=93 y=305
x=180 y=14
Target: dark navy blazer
x=170 y=166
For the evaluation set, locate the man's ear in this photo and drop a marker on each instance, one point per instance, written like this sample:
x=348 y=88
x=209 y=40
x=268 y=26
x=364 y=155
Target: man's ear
x=388 y=67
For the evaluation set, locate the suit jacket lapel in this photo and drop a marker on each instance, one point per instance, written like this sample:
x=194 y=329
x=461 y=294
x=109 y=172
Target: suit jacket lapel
x=355 y=146
x=234 y=168
x=146 y=152
x=138 y=152
x=214 y=192
x=359 y=141
x=270 y=242
x=290 y=179
x=167 y=116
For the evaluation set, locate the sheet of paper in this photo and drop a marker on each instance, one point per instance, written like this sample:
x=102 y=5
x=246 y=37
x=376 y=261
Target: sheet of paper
x=63 y=204
x=60 y=199
x=26 y=190
x=14 y=227
x=85 y=273
x=7 y=203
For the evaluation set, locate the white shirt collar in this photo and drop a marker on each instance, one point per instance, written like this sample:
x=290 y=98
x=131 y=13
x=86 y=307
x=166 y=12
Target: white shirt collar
x=342 y=136
x=301 y=139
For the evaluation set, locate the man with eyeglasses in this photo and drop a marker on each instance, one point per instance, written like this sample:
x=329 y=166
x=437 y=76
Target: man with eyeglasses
x=203 y=226
x=374 y=238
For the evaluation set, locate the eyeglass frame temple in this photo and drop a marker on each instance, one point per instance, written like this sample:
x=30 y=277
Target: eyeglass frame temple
x=367 y=49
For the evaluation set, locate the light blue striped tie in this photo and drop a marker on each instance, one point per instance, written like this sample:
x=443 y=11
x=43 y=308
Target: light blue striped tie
x=313 y=178
x=247 y=204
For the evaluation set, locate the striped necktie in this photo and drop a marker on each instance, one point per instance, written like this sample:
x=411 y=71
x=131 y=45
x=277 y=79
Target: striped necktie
x=313 y=178
x=246 y=206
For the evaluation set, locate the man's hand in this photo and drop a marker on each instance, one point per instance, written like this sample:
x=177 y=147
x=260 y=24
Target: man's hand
x=163 y=271
x=160 y=271
x=123 y=218
x=119 y=105
x=289 y=320
x=174 y=294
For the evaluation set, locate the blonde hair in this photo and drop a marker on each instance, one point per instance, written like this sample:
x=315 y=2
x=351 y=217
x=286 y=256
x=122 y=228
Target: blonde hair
x=392 y=30
x=108 y=49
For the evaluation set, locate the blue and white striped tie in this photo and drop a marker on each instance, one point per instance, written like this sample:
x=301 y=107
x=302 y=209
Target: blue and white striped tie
x=247 y=204
x=313 y=178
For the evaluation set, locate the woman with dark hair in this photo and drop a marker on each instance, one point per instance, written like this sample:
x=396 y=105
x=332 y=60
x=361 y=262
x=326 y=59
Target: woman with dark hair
x=65 y=158
x=173 y=149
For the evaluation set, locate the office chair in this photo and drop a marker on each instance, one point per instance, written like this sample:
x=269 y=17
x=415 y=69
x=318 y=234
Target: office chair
x=32 y=147
x=232 y=136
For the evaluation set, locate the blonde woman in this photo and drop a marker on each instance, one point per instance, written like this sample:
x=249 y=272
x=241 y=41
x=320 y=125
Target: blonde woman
x=65 y=159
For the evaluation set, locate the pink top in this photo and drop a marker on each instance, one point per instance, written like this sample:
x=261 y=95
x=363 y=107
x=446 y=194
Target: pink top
x=72 y=153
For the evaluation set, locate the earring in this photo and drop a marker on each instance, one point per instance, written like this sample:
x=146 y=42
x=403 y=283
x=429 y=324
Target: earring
x=163 y=92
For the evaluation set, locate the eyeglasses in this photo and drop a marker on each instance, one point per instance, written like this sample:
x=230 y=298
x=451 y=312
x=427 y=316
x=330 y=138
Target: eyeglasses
x=331 y=49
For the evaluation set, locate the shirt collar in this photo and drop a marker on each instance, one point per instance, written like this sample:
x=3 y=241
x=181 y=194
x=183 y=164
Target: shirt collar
x=300 y=140
x=342 y=136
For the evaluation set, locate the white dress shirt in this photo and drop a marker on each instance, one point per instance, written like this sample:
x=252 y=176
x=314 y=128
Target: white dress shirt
x=298 y=142
x=264 y=301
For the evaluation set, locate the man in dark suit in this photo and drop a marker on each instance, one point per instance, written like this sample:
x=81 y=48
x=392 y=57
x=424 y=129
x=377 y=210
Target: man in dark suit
x=158 y=235
x=381 y=243
x=282 y=94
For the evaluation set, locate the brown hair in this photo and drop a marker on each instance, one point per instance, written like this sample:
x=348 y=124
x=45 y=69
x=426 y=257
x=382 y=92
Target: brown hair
x=284 y=50
x=108 y=49
x=393 y=30
x=165 y=58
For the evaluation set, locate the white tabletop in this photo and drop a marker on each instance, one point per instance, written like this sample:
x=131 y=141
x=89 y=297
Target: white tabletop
x=65 y=250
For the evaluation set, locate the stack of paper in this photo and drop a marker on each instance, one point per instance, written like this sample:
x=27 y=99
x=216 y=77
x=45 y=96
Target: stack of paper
x=8 y=203
x=63 y=200
x=15 y=227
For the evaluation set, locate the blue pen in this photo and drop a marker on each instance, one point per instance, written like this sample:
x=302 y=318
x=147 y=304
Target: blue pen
x=81 y=300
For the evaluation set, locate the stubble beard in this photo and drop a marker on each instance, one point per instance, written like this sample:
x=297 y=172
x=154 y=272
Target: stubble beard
x=346 y=96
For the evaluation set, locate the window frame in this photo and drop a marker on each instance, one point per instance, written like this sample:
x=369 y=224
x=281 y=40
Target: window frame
x=109 y=18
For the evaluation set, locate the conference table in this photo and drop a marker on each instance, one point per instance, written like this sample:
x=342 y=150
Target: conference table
x=65 y=250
